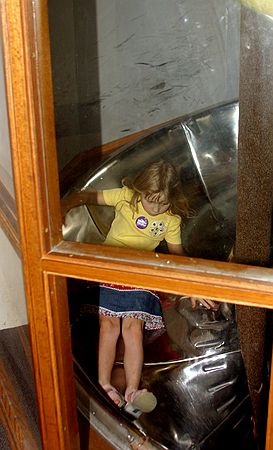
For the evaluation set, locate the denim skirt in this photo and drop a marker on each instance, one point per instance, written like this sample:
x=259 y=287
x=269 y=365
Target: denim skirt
x=123 y=302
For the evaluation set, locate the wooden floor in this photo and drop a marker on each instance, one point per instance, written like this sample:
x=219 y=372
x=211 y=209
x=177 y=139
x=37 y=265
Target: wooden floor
x=19 y=425
x=18 y=409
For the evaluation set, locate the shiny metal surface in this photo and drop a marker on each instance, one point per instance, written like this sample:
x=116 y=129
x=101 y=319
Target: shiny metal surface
x=203 y=391
x=203 y=147
x=195 y=367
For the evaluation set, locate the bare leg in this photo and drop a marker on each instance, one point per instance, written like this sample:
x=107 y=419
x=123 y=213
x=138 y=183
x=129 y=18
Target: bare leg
x=132 y=332
x=109 y=333
x=118 y=378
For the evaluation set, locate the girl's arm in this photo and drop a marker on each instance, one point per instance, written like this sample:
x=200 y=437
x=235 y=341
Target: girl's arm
x=81 y=198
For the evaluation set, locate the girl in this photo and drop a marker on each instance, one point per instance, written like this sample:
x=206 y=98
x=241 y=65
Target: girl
x=147 y=211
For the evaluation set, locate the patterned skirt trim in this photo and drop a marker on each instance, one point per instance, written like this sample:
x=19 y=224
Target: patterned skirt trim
x=152 y=322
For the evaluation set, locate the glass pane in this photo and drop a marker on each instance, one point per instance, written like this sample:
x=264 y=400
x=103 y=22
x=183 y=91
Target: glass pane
x=194 y=366
x=120 y=69
x=168 y=72
x=140 y=81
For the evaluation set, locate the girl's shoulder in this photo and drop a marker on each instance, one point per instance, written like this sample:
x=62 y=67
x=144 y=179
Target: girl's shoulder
x=127 y=193
x=116 y=195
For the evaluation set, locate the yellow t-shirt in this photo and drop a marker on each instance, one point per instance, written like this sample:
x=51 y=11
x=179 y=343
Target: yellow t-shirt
x=138 y=229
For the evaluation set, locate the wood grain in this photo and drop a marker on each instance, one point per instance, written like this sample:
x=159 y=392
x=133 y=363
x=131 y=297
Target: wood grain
x=30 y=108
x=47 y=259
x=8 y=218
x=222 y=281
x=17 y=394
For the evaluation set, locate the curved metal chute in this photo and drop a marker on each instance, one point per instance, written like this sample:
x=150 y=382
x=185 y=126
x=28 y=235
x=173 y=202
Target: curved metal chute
x=195 y=367
x=203 y=147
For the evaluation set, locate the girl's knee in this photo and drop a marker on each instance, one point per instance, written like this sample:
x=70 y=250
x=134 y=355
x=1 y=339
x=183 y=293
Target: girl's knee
x=110 y=325
x=132 y=328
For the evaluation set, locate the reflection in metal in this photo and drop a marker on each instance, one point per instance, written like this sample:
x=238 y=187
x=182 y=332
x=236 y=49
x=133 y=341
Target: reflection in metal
x=195 y=367
x=188 y=133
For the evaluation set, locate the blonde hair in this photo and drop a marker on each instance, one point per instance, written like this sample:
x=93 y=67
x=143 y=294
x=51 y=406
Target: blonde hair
x=159 y=178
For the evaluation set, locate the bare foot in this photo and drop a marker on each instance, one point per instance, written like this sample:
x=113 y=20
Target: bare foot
x=131 y=394
x=115 y=396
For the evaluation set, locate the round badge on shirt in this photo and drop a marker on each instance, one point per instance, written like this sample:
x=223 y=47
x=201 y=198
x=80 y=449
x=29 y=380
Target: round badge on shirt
x=142 y=222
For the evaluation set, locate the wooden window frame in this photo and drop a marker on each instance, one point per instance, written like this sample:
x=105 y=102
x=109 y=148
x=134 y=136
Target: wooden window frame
x=47 y=259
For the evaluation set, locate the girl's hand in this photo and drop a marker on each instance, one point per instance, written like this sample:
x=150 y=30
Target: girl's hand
x=209 y=304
